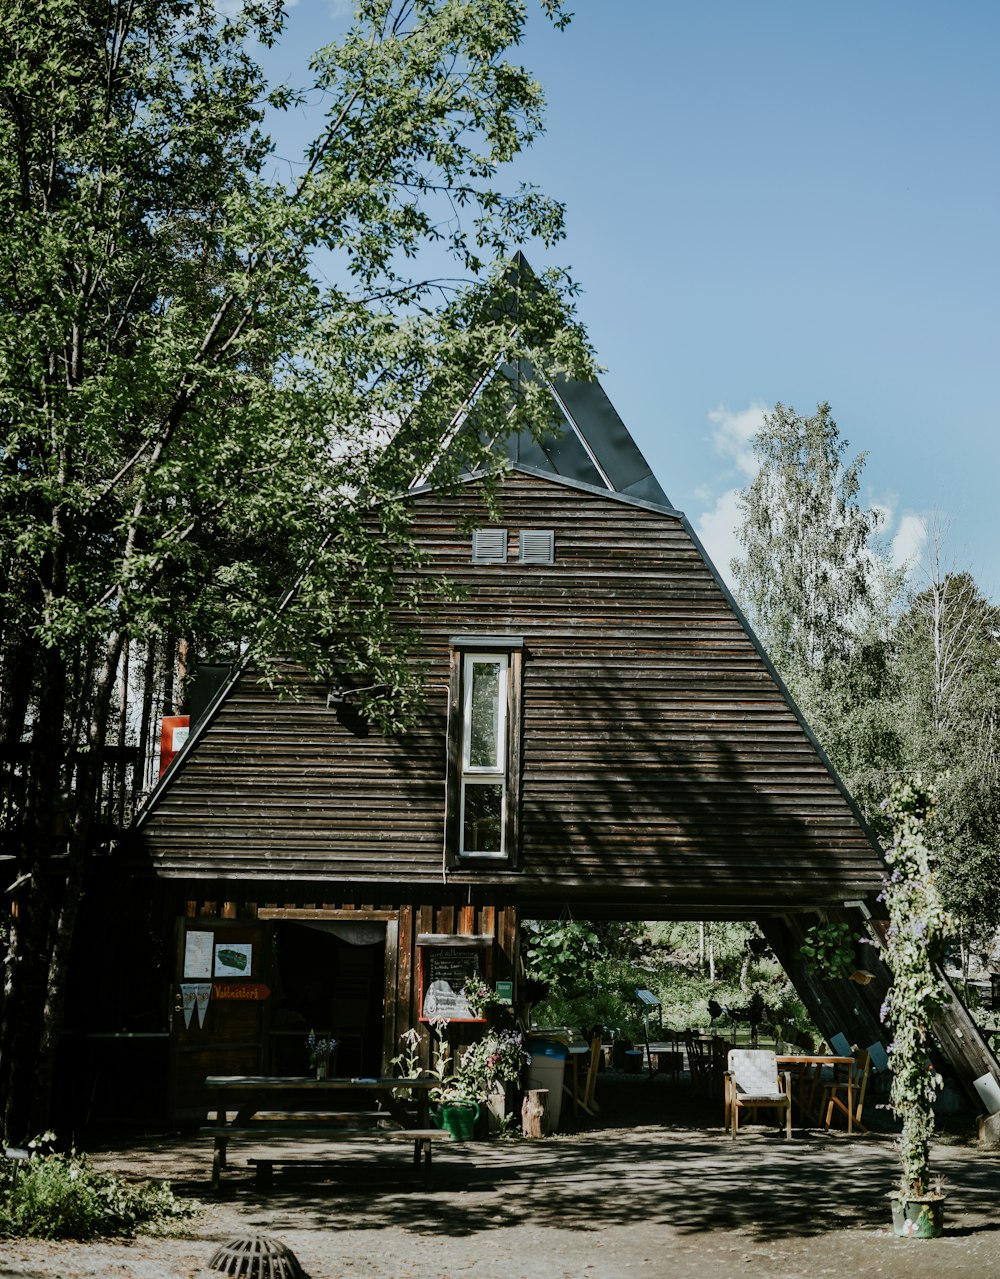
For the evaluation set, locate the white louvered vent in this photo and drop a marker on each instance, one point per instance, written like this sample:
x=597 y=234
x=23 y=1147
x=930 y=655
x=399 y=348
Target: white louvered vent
x=489 y=546
x=538 y=546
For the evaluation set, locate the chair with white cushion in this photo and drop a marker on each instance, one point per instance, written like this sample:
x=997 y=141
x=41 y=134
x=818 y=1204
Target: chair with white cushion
x=752 y=1080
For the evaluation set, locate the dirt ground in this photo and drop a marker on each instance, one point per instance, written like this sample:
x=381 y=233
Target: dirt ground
x=653 y=1186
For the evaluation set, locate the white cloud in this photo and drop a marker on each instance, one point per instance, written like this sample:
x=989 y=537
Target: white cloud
x=908 y=542
x=716 y=525
x=717 y=530
x=731 y=439
x=733 y=434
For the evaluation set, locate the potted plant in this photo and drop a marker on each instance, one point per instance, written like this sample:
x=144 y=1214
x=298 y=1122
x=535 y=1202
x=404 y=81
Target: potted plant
x=829 y=948
x=320 y=1052
x=490 y=1068
x=458 y=1108
x=479 y=997
x=915 y=942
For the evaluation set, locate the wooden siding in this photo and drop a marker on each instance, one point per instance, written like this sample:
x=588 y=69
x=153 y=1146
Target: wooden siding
x=663 y=772
x=235 y=1035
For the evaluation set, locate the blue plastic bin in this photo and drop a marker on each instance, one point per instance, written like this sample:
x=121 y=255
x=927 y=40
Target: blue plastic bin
x=546 y=1069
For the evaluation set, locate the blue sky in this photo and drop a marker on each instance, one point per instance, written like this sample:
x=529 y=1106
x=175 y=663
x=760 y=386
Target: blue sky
x=781 y=201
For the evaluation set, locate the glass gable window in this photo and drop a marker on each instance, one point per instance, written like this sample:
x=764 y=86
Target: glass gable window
x=482 y=819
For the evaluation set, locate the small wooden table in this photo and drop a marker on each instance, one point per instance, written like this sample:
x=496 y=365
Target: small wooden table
x=294 y=1106
x=819 y=1060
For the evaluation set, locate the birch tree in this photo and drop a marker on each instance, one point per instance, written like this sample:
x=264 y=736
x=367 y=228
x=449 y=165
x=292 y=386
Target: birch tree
x=821 y=594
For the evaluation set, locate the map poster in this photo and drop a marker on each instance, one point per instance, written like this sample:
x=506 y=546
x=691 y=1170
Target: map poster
x=198 y=954
x=233 y=959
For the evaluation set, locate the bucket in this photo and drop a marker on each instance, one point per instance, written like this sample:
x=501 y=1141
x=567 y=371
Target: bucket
x=918 y=1218
x=459 y=1119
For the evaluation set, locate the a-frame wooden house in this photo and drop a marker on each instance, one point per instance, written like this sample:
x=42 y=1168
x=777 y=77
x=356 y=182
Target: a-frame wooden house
x=603 y=736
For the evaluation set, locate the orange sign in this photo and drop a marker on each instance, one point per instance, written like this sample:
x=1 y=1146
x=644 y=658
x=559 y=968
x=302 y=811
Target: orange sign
x=254 y=991
x=174 y=731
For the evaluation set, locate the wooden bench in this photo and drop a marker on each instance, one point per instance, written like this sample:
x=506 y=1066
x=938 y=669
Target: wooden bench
x=294 y=1125
x=422 y=1138
x=289 y=1108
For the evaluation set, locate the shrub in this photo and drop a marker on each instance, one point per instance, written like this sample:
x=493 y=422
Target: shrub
x=63 y=1197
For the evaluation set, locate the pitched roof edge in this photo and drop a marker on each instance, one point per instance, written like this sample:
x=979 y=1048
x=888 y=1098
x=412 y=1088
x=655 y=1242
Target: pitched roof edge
x=783 y=689
x=166 y=778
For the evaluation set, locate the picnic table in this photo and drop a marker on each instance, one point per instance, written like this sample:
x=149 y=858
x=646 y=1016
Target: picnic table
x=285 y=1108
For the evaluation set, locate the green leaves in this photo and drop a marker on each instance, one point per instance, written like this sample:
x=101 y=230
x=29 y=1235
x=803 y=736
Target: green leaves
x=830 y=949
x=180 y=390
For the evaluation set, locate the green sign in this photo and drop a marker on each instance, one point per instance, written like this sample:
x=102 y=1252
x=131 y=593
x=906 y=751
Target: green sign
x=505 y=992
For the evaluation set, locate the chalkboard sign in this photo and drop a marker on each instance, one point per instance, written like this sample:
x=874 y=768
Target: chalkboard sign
x=443 y=973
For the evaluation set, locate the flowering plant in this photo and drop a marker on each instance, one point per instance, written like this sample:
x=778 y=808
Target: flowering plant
x=408 y=1057
x=479 y=996
x=320 y=1050
x=491 y=1064
x=915 y=942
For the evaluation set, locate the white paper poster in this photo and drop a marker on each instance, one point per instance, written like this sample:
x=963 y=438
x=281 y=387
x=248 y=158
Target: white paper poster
x=198 y=954
x=234 y=959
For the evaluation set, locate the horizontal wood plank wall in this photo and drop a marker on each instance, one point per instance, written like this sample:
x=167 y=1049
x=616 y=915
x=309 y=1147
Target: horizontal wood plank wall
x=501 y=964
x=402 y=994
x=663 y=771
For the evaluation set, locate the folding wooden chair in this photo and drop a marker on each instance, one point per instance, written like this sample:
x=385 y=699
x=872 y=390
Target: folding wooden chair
x=835 y=1094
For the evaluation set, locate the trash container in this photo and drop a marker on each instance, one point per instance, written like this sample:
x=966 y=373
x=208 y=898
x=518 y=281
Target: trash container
x=546 y=1067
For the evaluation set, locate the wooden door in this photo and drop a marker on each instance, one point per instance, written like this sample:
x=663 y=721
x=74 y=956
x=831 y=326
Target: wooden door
x=220 y=1009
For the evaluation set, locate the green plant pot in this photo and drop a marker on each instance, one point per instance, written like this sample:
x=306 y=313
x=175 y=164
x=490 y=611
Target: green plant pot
x=918 y=1218
x=458 y=1118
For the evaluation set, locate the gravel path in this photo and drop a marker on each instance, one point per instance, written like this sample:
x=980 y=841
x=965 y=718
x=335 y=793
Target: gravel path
x=653 y=1189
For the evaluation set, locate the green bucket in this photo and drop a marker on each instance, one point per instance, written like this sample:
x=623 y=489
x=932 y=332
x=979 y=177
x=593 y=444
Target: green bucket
x=459 y=1119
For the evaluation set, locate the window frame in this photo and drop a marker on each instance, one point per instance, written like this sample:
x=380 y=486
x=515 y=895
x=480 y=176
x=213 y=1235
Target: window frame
x=468 y=651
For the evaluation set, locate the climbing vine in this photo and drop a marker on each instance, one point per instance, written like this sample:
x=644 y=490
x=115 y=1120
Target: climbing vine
x=918 y=926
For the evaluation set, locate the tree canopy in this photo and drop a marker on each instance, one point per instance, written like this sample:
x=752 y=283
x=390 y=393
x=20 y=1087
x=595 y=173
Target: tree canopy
x=895 y=679
x=821 y=594
x=195 y=417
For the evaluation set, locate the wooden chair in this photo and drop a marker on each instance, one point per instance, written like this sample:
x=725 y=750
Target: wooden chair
x=699 y=1062
x=752 y=1081
x=718 y=1060
x=590 y=1084
x=835 y=1094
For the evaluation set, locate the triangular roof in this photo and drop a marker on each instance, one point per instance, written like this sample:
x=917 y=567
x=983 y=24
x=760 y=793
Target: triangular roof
x=589 y=442
x=594 y=445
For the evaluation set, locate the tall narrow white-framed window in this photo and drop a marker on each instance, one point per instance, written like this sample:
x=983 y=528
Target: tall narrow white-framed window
x=483 y=767
x=483 y=791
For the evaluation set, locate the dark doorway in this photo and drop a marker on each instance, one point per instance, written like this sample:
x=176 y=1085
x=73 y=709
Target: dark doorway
x=330 y=978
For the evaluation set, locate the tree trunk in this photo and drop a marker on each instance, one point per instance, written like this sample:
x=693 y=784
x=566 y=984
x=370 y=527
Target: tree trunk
x=57 y=835
x=40 y=837
x=85 y=796
x=535 y=1113
x=142 y=750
